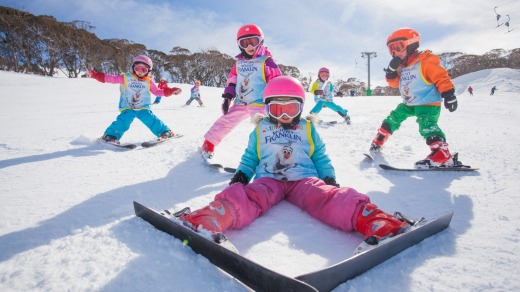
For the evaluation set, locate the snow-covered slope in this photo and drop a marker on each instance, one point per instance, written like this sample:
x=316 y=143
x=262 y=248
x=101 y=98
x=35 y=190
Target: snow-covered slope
x=67 y=223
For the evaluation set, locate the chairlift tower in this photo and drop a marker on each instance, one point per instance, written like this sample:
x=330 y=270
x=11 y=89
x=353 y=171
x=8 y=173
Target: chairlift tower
x=368 y=55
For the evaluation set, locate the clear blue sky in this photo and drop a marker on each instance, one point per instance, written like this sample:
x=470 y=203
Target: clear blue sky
x=301 y=33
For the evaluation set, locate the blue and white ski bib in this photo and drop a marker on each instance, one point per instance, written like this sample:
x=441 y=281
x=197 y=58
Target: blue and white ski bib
x=250 y=81
x=285 y=154
x=414 y=88
x=135 y=93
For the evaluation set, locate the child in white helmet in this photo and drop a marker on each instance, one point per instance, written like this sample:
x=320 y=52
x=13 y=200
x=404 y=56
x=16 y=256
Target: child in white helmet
x=135 y=99
x=288 y=158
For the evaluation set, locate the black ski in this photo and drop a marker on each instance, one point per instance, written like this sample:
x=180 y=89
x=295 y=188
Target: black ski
x=246 y=271
x=329 y=278
x=453 y=168
x=128 y=146
x=159 y=141
x=218 y=166
x=329 y=122
x=260 y=278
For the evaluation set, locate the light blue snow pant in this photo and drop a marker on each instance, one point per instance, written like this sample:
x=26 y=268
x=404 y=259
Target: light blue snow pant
x=126 y=117
x=320 y=103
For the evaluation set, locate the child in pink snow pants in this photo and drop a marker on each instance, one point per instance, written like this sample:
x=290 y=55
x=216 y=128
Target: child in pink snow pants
x=245 y=84
x=287 y=157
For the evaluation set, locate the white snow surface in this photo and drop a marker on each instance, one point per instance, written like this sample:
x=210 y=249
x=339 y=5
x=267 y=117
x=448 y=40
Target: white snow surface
x=67 y=220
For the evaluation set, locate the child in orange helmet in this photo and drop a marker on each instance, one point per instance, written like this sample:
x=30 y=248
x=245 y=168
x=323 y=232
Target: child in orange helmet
x=424 y=84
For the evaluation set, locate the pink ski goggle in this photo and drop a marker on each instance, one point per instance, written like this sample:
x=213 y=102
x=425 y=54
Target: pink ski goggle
x=290 y=108
x=139 y=68
x=252 y=41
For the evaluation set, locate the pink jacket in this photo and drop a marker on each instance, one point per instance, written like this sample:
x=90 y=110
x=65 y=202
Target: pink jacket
x=271 y=69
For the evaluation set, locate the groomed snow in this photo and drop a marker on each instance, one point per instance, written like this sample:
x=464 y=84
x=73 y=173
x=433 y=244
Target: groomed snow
x=67 y=221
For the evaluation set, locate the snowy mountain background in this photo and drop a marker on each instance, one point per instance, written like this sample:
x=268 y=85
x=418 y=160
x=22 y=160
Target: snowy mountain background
x=67 y=221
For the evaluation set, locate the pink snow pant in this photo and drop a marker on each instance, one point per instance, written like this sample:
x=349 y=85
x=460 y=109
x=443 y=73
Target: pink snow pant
x=337 y=207
x=226 y=123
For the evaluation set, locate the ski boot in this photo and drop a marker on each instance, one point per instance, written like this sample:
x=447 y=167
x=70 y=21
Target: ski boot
x=207 y=149
x=211 y=220
x=110 y=139
x=379 y=140
x=166 y=135
x=345 y=117
x=439 y=157
x=376 y=225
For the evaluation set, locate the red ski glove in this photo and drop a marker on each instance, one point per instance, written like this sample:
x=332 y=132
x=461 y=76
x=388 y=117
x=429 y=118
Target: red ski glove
x=169 y=91
x=99 y=76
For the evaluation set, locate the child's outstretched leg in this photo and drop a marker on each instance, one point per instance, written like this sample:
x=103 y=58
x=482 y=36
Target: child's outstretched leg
x=375 y=224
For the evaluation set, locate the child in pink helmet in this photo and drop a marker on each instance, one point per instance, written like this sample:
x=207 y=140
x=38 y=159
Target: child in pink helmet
x=195 y=94
x=135 y=99
x=288 y=159
x=246 y=81
x=322 y=89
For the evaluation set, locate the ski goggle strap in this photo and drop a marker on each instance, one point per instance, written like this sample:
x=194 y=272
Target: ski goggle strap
x=252 y=41
x=290 y=108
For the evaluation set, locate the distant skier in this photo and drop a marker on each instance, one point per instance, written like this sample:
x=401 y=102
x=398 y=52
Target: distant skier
x=307 y=179
x=493 y=89
x=423 y=84
x=134 y=102
x=195 y=94
x=322 y=89
x=246 y=81
x=470 y=90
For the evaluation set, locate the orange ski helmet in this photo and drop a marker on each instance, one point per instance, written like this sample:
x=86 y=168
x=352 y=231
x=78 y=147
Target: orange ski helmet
x=403 y=39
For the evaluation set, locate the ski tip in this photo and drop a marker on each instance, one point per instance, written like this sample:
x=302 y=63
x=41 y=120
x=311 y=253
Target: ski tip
x=368 y=157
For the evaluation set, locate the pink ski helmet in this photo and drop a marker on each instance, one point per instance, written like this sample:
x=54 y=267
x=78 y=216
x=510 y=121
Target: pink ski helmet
x=285 y=86
x=250 y=30
x=144 y=60
x=323 y=69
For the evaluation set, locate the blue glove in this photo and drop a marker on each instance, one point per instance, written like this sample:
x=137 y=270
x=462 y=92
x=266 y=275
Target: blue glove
x=157 y=100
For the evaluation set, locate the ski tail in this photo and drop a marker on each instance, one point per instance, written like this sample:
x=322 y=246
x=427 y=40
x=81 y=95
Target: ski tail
x=329 y=278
